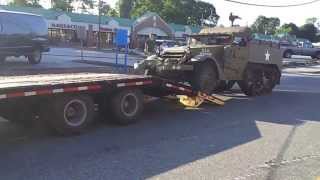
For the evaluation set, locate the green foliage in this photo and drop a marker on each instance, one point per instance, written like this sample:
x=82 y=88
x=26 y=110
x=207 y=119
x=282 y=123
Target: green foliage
x=125 y=7
x=294 y=29
x=284 y=30
x=29 y=3
x=265 y=25
x=63 y=5
x=86 y=4
x=107 y=10
x=66 y=5
x=311 y=20
x=173 y=11
x=308 y=31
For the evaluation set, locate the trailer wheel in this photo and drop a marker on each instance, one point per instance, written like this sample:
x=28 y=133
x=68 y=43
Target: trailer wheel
x=71 y=115
x=24 y=116
x=127 y=105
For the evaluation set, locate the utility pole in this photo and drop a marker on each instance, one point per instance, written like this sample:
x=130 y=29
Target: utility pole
x=99 y=25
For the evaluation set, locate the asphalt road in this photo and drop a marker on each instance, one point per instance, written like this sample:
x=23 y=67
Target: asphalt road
x=270 y=137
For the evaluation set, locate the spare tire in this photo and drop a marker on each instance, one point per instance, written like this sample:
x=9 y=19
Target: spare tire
x=205 y=77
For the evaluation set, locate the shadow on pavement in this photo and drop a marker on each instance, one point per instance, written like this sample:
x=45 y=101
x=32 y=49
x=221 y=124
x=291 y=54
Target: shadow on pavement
x=168 y=136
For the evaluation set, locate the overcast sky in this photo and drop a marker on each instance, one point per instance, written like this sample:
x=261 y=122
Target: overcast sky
x=298 y=15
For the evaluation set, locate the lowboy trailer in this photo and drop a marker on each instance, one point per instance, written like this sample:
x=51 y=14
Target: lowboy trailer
x=68 y=102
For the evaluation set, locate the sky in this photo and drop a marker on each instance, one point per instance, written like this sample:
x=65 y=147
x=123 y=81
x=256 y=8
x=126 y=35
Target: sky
x=297 y=15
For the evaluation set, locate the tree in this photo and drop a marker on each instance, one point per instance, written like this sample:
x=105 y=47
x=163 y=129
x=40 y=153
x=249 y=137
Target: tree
x=63 y=5
x=266 y=25
x=86 y=4
x=308 y=31
x=29 y=3
x=125 y=7
x=294 y=29
x=204 y=13
x=312 y=20
x=143 y=6
x=107 y=10
x=283 y=30
x=181 y=12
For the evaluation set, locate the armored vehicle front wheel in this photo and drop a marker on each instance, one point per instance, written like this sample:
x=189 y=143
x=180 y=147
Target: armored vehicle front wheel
x=205 y=77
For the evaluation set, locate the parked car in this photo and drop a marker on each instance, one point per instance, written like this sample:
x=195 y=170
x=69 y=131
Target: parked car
x=23 y=34
x=302 y=48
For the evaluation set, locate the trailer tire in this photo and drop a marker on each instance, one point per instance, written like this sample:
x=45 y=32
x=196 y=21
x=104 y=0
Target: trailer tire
x=18 y=113
x=126 y=106
x=71 y=114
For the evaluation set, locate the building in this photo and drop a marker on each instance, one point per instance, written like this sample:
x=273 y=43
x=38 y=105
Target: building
x=62 y=27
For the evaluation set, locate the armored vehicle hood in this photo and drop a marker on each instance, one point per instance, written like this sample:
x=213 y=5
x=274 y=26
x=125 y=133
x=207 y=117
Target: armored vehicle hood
x=178 y=52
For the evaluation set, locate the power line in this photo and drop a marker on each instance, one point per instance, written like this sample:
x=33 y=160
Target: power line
x=276 y=6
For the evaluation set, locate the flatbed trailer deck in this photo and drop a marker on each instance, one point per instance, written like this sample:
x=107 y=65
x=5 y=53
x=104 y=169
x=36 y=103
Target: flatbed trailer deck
x=67 y=101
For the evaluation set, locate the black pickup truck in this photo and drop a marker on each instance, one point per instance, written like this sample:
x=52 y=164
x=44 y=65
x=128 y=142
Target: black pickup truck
x=303 y=49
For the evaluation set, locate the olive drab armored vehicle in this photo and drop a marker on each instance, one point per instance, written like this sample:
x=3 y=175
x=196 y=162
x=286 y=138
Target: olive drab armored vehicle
x=216 y=58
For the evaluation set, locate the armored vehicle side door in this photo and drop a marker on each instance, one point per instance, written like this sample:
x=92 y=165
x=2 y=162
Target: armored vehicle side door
x=236 y=58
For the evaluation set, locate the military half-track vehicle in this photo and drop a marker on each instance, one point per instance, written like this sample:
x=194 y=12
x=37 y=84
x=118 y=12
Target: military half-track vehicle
x=218 y=57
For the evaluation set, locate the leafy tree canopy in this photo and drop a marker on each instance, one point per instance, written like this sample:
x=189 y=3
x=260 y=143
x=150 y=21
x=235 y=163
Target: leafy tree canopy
x=125 y=7
x=29 y=3
x=265 y=25
x=181 y=12
x=308 y=31
x=63 y=5
x=107 y=10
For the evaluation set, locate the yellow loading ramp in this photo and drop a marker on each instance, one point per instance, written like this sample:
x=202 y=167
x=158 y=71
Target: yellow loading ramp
x=196 y=101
